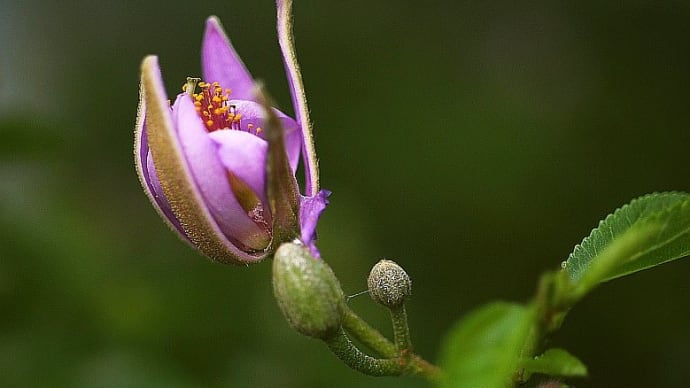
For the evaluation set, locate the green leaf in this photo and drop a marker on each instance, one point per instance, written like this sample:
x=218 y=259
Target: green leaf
x=555 y=362
x=648 y=231
x=483 y=349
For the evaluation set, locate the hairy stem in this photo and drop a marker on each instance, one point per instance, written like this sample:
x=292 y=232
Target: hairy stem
x=367 y=335
x=345 y=350
x=412 y=364
x=401 y=331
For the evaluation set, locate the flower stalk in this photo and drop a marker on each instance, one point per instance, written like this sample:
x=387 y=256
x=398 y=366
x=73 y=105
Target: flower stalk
x=347 y=352
x=367 y=335
x=401 y=332
x=412 y=364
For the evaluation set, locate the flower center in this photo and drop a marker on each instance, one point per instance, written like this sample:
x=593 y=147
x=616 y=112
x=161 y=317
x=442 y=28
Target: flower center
x=212 y=105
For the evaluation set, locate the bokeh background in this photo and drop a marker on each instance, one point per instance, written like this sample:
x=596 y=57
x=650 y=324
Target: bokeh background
x=473 y=142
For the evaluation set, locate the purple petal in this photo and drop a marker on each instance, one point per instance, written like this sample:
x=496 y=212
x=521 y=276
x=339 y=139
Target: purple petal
x=245 y=155
x=254 y=114
x=212 y=178
x=176 y=178
x=220 y=63
x=299 y=100
x=310 y=211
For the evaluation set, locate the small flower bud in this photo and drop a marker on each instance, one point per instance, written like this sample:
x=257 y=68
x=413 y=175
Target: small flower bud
x=389 y=284
x=307 y=291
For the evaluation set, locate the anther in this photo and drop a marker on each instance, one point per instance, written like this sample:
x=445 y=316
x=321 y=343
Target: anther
x=190 y=86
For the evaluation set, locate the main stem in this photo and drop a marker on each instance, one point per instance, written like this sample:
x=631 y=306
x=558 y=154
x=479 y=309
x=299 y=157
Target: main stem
x=552 y=301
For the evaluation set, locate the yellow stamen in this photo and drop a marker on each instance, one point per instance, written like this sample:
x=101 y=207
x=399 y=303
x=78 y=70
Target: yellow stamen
x=211 y=103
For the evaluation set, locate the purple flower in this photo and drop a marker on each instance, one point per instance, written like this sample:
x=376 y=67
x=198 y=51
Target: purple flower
x=219 y=164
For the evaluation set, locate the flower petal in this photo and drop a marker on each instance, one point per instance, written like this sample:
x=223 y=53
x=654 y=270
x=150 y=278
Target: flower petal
x=244 y=155
x=220 y=62
x=254 y=114
x=175 y=178
x=309 y=213
x=299 y=99
x=212 y=178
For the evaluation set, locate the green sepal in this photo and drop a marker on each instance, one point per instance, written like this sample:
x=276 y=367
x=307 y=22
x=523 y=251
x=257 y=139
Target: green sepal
x=307 y=291
x=283 y=190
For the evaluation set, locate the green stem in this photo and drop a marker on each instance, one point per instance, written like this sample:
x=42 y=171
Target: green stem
x=345 y=350
x=421 y=367
x=401 y=331
x=552 y=301
x=367 y=335
x=373 y=339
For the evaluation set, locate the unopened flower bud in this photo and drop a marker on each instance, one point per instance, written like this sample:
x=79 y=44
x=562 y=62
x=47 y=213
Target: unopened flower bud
x=389 y=284
x=307 y=291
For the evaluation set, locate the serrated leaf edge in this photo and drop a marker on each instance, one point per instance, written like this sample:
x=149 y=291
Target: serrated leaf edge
x=588 y=238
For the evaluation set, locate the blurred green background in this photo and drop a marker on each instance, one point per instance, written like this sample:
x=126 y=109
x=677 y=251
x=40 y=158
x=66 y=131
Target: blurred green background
x=473 y=142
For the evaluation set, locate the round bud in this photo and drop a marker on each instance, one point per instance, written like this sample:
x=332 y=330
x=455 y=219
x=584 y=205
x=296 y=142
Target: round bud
x=307 y=291
x=389 y=284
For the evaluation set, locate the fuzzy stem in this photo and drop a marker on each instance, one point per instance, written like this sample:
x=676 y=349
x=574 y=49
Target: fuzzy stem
x=345 y=350
x=401 y=331
x=373 y=339
x=421 y=367
x=367 y=335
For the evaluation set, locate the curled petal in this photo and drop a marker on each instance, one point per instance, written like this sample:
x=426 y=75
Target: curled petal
x=310 y=211
x=211 y=177
x=245 y=156
x=175 y=177
x=220 y=62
